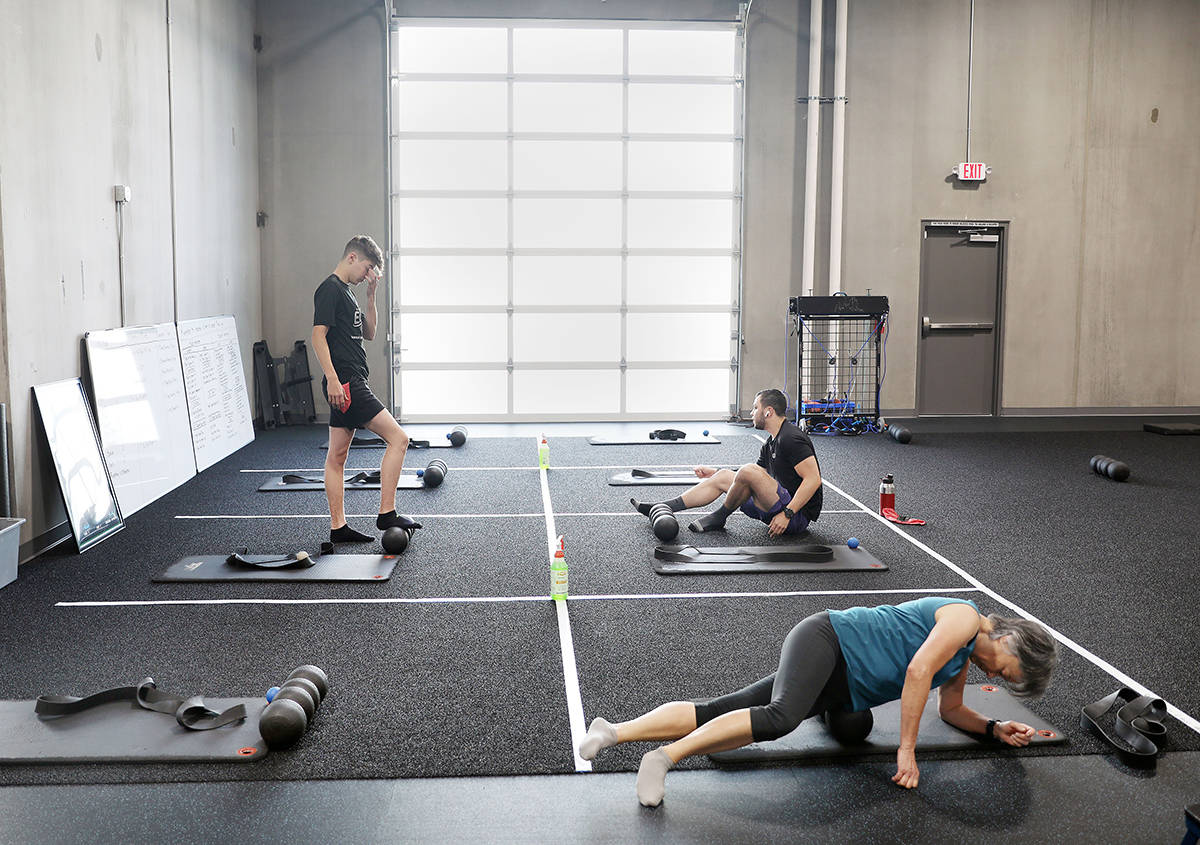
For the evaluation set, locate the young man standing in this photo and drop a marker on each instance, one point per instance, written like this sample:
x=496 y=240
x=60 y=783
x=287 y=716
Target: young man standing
x=339 y=328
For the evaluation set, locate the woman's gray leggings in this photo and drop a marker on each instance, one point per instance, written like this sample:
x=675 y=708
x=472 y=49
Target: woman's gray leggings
x=811 y=679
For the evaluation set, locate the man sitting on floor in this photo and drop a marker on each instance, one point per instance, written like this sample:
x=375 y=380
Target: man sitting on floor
x=783 y=489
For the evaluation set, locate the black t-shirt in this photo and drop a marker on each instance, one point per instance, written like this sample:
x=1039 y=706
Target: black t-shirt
x=779 y=457
x=335 y=306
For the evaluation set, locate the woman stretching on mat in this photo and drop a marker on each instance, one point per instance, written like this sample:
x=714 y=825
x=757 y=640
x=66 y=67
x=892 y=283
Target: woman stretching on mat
x=852 y=660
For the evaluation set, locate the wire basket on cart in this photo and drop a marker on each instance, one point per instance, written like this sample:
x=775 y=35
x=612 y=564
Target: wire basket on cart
x=841 y=361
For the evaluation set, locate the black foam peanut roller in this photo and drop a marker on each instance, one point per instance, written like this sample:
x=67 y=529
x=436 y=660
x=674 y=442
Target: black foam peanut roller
x=849 y=727
x=1118 y=471
x=299 y=695
x=305 y=684
x=315 y=674
x=435 y=473
x=664 y=523
x=282 y=723
x=457 y=435
x=899 y=433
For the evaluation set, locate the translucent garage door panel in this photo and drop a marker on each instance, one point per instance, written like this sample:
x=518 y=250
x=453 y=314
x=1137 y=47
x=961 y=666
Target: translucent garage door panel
x=678 y=337
x=573 y=223
x=680 y=223
x=682 y=52
x=560 y=392
x=660 y=107
x=674 y=279
x=447 y=223
x=567 y=51
x=677 y=392
x=566 y=106
x=567 y=165
x=453 y=280
x=567 y=280
x=454 y=392
x=451 y=165
x=451 y=49
x=681 y=166
x=566 y=337
x=452 y=106
x=441 y=338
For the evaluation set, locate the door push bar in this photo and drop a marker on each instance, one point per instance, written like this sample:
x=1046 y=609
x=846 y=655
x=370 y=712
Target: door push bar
x=927 y=327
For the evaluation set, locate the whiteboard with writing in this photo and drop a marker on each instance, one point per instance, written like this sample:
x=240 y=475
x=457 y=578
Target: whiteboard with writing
x=141 y=410
x=216 y=388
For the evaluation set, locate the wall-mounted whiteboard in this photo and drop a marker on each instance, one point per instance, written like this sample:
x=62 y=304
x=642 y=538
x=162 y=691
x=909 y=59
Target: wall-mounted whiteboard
x=141 y=409
x=216 y=388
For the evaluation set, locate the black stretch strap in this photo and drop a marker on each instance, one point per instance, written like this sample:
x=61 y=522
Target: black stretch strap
x=367 y=477
x=418 y=444
x=367 y=441
x=287 y=562
x=668 y=434
x=649 y=473
x=1137 y=728
x=811 y=553
x=190 y=712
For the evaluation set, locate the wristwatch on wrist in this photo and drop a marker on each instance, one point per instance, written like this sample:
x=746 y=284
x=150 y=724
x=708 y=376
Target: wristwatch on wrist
x=789 y=513
x=991 y=729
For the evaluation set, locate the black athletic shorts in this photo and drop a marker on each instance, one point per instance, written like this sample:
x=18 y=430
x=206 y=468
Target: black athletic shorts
x=363 y=405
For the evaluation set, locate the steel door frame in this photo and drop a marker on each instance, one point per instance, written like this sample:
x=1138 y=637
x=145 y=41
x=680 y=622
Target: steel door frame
x=1000 y=227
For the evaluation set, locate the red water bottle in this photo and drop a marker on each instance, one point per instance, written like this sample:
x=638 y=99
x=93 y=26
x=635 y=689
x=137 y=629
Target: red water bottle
x=887 y=493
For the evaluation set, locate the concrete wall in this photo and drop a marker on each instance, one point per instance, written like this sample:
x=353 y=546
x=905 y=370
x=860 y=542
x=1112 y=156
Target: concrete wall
x=1100 y=310
x=84 y=94
x=322 y=143
x=215 y=97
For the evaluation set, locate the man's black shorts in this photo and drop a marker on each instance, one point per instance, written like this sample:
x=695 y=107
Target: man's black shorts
x=363 y=405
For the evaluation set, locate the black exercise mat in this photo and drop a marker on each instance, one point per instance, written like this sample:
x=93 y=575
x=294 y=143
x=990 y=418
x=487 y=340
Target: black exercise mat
x=1171 y=428
x=373 y=442
x=813 y=741
x=335 y=567
x=121 y=731
x=625 y=441
x=403 y=677
x=278 y=485
x=735 y=560
x=655 y=478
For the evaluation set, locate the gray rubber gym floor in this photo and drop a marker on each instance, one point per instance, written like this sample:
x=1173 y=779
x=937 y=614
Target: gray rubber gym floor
x=450 y=716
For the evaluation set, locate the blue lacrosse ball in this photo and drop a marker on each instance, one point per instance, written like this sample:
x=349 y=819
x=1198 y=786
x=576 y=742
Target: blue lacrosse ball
x=420 y=473
x=852 y=542
x=705 y=432
x=271 y=693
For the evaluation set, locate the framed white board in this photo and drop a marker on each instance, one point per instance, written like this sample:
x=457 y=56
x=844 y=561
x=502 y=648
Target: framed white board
x=215 y=382
x=75 y=448
x=141 y=410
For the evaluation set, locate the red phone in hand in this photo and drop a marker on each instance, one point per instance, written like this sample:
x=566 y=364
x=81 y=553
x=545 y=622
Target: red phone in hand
x=345 y=406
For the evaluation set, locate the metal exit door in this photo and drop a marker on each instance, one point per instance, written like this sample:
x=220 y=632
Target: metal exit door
x=959 y=346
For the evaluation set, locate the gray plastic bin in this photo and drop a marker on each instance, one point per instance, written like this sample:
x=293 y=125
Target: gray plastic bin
x=10 y=549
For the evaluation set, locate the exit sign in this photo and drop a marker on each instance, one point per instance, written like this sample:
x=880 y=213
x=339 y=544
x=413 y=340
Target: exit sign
x=971 y=171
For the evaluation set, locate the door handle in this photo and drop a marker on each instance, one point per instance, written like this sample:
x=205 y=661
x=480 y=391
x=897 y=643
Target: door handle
x=927 y=327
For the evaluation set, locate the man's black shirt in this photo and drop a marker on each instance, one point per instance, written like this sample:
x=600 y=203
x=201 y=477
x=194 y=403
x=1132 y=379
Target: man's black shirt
x=779 y=457
x=334 y=306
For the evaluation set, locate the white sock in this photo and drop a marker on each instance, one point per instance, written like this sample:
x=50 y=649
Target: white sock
x=652 y=777
x=600 y=734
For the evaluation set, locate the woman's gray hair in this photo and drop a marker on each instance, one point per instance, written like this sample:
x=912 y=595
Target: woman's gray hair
x=1035 y=650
